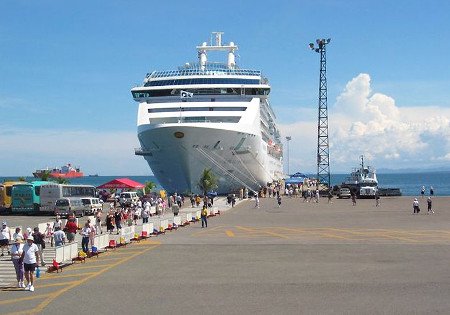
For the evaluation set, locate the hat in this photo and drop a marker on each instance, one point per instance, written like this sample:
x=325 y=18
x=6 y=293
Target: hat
x=29 y=230
x=415 y=199
x=4 y=223
x=18 y=240
x=30 y=238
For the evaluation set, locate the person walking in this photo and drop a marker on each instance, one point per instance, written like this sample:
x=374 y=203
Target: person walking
x=330 y=195
x=353 y=195
x=279 y=200
x=377 y=199
x=416 y=208
x=71 y=229
x=59 y=237
x=16 y=253
x=110 y=223
x=430 y=205
x=204 y=215
x=422 y=192
x=118 y=220
x=145 y=212
x=431 y=191
x=98 y=221
x=18 y=233
x=30 y=258
x=256 y=200
x=49 y=234
x=5 y=237
x=85 y=233
x=39 y=241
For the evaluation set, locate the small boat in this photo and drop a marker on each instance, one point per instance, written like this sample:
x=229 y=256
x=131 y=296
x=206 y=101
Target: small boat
x=362 y=181
x=65 y=171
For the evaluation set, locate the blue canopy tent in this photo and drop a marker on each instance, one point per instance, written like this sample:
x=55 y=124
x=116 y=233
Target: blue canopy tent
x=296 y=178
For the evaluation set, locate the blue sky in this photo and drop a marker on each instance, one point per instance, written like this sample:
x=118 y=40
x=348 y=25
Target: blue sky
x=66 y=73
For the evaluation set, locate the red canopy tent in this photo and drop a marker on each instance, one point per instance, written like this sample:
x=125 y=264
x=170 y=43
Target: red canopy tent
x=121 y=183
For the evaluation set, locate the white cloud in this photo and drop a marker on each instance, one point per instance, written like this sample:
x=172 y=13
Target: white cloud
x=364 y=122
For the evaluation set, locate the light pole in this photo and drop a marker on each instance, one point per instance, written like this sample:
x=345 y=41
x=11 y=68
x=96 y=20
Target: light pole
x=323 y=149
x=288 y=138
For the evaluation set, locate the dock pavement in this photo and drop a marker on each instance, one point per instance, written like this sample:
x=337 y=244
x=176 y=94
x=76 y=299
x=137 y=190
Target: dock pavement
x=300 y=258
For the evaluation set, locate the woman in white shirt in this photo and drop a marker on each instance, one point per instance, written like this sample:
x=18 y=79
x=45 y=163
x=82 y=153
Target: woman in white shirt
x=30 y=259
x=16 y=253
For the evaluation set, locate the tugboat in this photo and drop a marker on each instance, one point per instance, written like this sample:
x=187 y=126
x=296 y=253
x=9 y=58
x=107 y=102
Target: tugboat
x=66 y=171
x=362 y=181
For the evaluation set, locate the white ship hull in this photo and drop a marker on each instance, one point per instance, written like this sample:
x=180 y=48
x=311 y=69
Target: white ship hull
x=237 y=159
x=209 y=116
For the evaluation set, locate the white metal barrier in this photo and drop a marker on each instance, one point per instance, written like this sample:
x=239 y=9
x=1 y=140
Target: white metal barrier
x=127 y=233
x=66 y=253
x=187 y=217
x=101 y=241
x=148 y=227
x=164 y=223
x=213 y=210
x=198 y=213
x=177 y=220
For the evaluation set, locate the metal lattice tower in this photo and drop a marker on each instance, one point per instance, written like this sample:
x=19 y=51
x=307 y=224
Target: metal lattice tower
x=323 y=148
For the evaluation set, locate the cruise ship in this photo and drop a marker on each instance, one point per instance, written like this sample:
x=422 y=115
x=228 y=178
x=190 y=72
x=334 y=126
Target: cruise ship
x=209 y=115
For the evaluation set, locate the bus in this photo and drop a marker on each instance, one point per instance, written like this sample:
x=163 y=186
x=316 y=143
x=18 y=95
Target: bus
x=53 y=191
x=5 y=194
x=26 y=197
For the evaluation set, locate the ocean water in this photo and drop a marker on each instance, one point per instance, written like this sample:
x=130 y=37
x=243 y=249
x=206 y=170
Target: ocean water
x=410 y=184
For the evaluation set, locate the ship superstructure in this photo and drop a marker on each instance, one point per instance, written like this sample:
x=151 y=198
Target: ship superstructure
x=209 y=115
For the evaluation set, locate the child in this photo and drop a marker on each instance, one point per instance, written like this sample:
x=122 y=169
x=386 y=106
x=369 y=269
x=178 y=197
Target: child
x=48 y=234
x=279 y=200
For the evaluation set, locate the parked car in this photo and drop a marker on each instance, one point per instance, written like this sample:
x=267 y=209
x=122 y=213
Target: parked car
x=69 y=206
x=344 y=193
x=128 y=198
x=91 y=205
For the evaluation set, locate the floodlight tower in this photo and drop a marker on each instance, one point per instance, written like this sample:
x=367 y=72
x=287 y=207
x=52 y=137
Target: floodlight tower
x=323 y=149
x=288 y=138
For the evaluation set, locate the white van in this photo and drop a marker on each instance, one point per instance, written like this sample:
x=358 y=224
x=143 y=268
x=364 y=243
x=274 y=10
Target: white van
x=128 y=198
x=69 y=206
x=91 y=205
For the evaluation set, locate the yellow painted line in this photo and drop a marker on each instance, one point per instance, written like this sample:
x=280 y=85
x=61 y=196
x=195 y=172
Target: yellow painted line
x=55 y=284
x=56 y=294
x=124 y=251
x=59 y=276
x=207 y=230
x=277 y=235
x=31 y=297
x=90 y=266
x=229 y=233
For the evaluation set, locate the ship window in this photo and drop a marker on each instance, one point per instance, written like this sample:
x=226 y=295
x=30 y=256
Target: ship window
x=202 y=81
x=205 y=91
x=195 y=119
x=196 y=109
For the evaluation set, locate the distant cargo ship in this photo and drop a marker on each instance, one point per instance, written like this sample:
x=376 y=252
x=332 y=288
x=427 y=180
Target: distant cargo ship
x=66 y=171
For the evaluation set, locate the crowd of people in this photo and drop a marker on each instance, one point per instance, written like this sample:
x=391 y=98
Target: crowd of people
x=26 y=247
